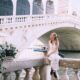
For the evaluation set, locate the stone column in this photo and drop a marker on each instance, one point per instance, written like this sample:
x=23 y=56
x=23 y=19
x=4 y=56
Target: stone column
x=14 y=6
x=44 y=6
x=14 y=9
x=31 y=6
x=28 y=75
x=65 y=75
x=55 y=6
x=17 y=73
x=36 y=75
x=1 y=77
x=76 y=74
x=45 y=72
x=6 y=76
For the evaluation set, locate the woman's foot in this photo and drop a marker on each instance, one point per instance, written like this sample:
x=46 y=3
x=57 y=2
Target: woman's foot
x=55 y=74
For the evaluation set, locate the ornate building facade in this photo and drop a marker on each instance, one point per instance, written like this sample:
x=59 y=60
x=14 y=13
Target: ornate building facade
x=26 y=7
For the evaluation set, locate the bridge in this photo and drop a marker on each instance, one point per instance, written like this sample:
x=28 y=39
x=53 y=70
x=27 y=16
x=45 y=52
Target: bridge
x=23 y=30
x=29 y=28
x=36 y=25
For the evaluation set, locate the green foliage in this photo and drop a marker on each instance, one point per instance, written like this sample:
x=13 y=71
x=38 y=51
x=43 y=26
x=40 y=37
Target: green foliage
x=7 y=50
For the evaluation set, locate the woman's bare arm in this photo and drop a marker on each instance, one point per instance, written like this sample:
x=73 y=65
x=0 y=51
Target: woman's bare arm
x=54 y=49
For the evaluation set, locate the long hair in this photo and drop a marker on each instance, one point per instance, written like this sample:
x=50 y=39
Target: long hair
x=55 y=36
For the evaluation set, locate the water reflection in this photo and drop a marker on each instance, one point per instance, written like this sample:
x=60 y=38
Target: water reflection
x=71 y=54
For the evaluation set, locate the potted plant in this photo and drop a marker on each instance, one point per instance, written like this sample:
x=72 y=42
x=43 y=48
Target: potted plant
x=7 y=52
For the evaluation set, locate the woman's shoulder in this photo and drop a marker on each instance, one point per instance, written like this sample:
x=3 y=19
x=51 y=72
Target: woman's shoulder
x=49 y=42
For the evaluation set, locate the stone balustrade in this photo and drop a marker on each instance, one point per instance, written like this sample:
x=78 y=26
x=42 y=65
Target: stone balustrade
x=41 y=69
x=36 y=20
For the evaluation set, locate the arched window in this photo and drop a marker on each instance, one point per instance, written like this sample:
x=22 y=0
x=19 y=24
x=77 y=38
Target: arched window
x=23 y=7
x=50 y=7
x=37 y=7
x=6 y=7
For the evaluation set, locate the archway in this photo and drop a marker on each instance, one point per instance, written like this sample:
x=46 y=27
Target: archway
x=6 y=8
x=23 y=7
x=69 y=38
x=37 y=7
x=50 y=7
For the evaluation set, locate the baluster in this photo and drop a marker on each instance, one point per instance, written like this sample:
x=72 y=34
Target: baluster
x=6 y=76
x=17 y=73
x=65 y=75
x=28 y=74
x=26 y=70
x=0 y=21
x=76 y=74
x=45 y=72
x=4 y=20
x=36 y=75
x=1 y=76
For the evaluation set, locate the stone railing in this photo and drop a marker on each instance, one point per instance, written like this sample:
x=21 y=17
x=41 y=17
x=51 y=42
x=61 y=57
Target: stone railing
x=36 y=20
x=41 y=70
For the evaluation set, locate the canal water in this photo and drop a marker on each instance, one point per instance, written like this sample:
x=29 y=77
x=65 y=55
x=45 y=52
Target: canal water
x=71 y=54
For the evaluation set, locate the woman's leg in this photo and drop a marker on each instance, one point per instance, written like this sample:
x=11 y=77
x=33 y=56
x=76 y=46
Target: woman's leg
x=55 y=74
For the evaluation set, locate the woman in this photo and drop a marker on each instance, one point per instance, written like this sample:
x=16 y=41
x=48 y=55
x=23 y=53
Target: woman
x=53 y=54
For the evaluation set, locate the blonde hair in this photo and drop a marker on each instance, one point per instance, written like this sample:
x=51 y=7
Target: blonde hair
x=54 y=34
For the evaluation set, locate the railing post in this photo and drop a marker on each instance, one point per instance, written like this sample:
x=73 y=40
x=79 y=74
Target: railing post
x=26 y=70
x=65 y=75
x=5 y=76
x=17 y=73
x=28 y=75
x=1 y=77
x=76 y=74
x=36 y=75
x=45 y=72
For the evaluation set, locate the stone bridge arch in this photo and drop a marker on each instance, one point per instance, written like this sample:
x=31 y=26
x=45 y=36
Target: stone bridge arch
x=36 y=33
x=68 y=37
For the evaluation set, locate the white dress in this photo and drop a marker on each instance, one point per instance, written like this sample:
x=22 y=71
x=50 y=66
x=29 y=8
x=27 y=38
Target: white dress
x=54 y=58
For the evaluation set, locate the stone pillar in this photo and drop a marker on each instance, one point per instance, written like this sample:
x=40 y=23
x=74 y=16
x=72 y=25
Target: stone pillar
x=6 y=76
x=65 y=75
x=1 y=77
x=45 y=72
x=17 y=73
x=26 y=70
x=55 y=6
x=31 y=6
x=14 y=7
x=76 y=74
x=36 y=75
x=28 y=75
x=44 y=6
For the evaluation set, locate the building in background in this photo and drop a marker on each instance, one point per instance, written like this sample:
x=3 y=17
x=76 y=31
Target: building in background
x=63 y=6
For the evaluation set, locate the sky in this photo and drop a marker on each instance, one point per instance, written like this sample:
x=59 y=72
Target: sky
x=75 y=4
